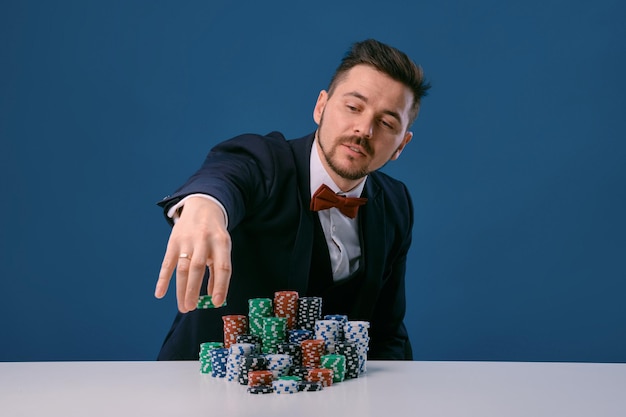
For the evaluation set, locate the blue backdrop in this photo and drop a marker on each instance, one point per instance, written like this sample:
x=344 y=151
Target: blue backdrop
x=517 y=168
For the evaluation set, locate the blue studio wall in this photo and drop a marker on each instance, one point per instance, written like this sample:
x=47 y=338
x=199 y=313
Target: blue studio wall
x=517 y=169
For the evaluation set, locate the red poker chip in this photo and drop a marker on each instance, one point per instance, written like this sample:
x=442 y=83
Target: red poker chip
x=260 y=378
x=322 y=375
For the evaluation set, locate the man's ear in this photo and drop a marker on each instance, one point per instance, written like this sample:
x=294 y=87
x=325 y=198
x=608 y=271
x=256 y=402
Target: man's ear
x=319 y=106
x=407 y=138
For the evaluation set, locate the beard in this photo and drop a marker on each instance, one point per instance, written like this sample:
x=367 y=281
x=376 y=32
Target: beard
x=355 y=173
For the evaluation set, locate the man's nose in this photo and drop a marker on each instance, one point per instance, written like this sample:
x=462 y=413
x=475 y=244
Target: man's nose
x=364 y=127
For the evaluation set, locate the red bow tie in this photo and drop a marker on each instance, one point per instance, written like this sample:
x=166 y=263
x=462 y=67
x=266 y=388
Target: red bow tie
x=325 y=198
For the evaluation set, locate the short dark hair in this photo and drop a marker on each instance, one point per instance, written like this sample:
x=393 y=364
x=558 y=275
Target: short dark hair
x=387 y=60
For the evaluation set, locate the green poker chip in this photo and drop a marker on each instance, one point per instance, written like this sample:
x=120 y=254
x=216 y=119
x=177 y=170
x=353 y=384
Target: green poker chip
x=337 y=363
x=205 y=356
x=206 y=301
x=290 y=378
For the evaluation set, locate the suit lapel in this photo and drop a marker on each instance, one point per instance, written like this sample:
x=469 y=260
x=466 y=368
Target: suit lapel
x=300 y=262
x=373 y=225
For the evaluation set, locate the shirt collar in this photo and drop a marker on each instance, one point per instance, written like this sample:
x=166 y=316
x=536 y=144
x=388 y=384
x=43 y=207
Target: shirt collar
x=319 y=176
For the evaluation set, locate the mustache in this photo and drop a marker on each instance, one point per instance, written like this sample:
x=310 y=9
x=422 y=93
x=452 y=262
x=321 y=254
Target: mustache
x=364 y=143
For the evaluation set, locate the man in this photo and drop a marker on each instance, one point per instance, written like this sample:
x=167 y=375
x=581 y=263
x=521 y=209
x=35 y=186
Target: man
x=247 y=213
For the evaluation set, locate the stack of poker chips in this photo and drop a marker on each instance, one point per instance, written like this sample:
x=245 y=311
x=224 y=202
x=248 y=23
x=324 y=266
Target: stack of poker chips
x=342 y=319
x=260 y=382
x=249 y=364
x=260 y=377
x=286 y=305
x=205 y=357
x=309 y=310
x=219 y=357
x=234 y=325
x=310 y=386
x=285 y=386
x=236 y=354
x=261 y=389
x=251 y=338
x=323 y=375
x=297 y=379
x=292 y=349
x=298 y=335
x=351 y=353
x=258 y=308
x=274 y=333
x=328 y=331
x=257 y=352
x=357 y=333
x=337 y=363
x=279 y=364
x=299 y=371
x=312 y=351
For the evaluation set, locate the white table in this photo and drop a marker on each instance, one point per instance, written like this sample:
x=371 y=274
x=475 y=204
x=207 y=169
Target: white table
x=152 y=389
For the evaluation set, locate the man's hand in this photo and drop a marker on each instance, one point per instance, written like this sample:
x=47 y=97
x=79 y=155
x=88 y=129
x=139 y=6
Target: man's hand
x=199 y=238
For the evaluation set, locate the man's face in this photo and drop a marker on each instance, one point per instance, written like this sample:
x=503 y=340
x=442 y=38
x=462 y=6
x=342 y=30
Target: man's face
x=362 y=125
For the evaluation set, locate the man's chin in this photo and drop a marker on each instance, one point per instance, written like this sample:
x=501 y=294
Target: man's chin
x=350 y=173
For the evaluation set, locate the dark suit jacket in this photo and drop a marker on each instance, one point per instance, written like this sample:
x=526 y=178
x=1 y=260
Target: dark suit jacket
x=263 y=182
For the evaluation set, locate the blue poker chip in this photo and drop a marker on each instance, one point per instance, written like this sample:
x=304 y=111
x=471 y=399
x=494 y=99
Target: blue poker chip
x=283 y=386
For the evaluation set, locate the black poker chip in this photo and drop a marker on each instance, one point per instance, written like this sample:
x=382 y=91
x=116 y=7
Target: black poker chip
x=260 y=389
x=310 y=386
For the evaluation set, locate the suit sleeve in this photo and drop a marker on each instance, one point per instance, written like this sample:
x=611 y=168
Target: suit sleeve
x=239 y=173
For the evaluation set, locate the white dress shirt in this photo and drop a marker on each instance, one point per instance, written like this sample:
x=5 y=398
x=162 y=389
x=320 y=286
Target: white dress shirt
x=342 y=232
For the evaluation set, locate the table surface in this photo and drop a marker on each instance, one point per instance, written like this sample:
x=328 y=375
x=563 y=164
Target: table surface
x=502 y=389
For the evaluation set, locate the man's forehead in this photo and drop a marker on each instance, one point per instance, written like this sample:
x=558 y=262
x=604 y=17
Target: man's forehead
x=368 y=84
x=374 y=80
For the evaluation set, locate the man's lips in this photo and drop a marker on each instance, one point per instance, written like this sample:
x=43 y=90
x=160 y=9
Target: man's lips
x=355 y=149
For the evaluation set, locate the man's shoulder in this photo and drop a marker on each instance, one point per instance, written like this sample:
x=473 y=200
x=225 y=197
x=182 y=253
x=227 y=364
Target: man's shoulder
x=274 y=138
x=270 y=143
x=274 y=135
x=395 y=198
x=388 y=184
